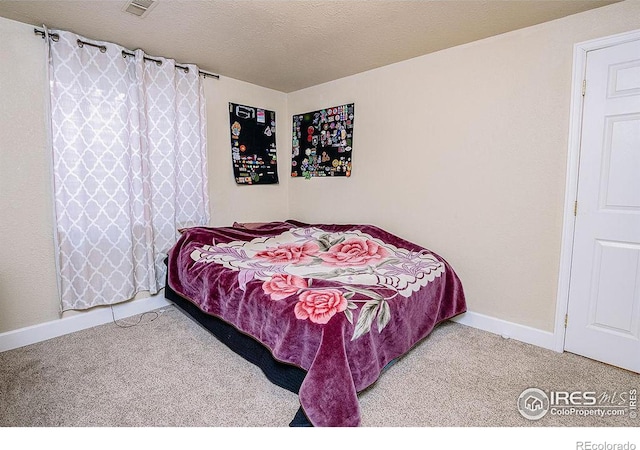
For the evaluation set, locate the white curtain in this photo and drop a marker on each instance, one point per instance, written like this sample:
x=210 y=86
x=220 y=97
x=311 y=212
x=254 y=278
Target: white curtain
x=129 y=166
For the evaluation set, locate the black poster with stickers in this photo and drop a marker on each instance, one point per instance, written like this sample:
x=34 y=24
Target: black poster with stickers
x=322 y=142
x=253 y=144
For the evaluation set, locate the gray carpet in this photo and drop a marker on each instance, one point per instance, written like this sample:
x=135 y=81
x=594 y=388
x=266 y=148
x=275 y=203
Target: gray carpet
x=170 y=372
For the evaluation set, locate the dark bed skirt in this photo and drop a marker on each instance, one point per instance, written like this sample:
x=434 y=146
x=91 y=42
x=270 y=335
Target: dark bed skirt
x=284 y=375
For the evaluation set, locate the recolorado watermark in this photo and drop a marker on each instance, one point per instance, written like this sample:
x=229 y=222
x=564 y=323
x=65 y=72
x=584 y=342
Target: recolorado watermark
x=534 y=404
x=588 y=445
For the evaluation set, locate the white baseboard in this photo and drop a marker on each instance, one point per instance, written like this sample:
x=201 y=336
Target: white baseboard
x=48 y=330
x=99 y=316
x=509 y=330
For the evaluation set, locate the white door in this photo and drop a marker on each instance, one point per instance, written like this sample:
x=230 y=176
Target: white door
x=603 y=321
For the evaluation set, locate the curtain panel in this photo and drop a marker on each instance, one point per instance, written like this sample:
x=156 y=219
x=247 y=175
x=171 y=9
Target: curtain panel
x=128 y=138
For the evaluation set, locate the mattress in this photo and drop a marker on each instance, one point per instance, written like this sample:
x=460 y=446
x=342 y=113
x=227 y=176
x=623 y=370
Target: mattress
x=321 y=308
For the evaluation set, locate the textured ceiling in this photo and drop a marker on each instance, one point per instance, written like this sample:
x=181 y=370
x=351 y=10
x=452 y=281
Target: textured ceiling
x=289 y=45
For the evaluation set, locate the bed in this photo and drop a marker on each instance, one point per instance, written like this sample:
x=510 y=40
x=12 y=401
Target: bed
x=322 y=309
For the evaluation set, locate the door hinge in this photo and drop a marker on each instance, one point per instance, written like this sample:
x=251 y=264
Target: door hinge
x=584 y=87
x=575 y=208
x=566 y=319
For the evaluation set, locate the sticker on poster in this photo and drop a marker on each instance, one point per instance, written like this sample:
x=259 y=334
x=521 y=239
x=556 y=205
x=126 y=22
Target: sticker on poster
x=322 y=142
x=253 y=144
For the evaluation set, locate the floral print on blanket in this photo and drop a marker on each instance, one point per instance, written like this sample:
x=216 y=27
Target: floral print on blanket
x=367 y=272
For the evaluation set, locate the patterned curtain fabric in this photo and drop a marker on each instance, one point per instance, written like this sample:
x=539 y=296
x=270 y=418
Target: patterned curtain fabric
x=129 y=166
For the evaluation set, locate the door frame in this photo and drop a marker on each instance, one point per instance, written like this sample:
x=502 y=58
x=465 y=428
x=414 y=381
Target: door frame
x=571 y=189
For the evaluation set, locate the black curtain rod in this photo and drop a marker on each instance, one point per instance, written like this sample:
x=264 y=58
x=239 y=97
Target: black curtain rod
x=56 y=37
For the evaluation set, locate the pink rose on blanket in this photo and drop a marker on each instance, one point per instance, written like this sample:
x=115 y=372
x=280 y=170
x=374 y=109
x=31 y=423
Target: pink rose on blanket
x=283 y=285
x=320 y=306
x=354 y=252
x=290 y=253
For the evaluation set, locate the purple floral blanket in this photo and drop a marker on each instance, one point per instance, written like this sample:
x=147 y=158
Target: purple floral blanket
x=339 y=301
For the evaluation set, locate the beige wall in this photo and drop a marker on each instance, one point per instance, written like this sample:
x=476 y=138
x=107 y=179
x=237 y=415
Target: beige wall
x=464 y=151
x=28 y=291
x=231 y=202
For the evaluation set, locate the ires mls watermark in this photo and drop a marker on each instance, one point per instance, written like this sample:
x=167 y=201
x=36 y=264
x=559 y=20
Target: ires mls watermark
x=534 y=403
